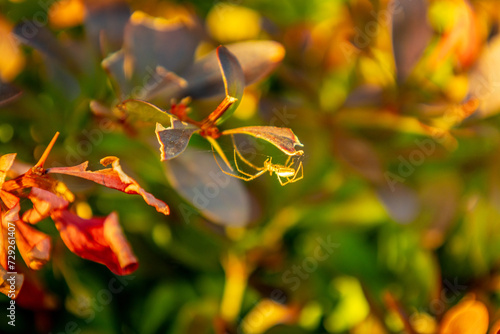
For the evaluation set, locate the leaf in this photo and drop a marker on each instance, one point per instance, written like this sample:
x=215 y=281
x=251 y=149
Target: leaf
x=234 y=80
x=484 y=79
x=276 y=313
x=44 y=202
x=114 y=178
x=495 y=328
x=42 y=39
x=461 y=39
x=173 y=140
x=8 y=93
x=6 y=162
x=7 y=217
x=220 y=198
x=114 y=66
x=401 y=202
x=282 y=138
x=138 y=110
x=151 y=42
x=411 y=33
x=256 y=58
x=5 y=282
x=164 y=84
x=98 y=239
x=105 y=23
x=467 y=317
x=33 y=245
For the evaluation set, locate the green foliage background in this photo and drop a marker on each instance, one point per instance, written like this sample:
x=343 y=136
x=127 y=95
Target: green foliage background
x=438 y=226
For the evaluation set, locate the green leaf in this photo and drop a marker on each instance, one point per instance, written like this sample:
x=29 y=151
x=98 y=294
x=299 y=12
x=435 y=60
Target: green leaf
x=282 y=138
x=138 y=110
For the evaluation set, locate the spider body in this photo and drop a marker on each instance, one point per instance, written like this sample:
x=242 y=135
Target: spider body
x=285 y=173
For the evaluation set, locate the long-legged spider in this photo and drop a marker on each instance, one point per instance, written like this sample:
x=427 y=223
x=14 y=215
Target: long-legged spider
x=283 y=172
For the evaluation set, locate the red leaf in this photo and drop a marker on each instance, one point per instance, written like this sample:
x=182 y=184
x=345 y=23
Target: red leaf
x=33 y=245
x=113 y=177
x=97 y=239
x=44 y=202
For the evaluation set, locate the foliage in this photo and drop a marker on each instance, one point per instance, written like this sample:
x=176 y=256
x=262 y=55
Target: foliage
x=382 y=218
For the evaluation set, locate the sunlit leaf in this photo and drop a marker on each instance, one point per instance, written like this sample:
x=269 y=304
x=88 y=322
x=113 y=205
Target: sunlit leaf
x=219 y=197
x=282 y=138
x=138 y=110
x=13 y=60
x=231 y=23
x=44 y=202
x=484 y=79
x=113 y=177
x=467 y=317
x=237 y=271
x=275 y=314
x=351 y=308
x=256 y=58
x=66 y=13
x=461 y=40
x=411 y=33
x=98 y=239
x=6 y=162
x=173 y=140
x=33 y=245
x=234 y=80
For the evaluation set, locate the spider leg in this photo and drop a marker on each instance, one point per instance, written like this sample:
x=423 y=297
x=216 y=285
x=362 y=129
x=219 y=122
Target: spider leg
x=238 y=168
x=301 y=169
x=281 y=181
x=242 y=158
x=249 y=176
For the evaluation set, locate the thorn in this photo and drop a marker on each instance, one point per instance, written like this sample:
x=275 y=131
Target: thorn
x=39 y=164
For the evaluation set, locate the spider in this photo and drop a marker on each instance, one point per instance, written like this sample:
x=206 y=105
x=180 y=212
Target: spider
x=283 y=172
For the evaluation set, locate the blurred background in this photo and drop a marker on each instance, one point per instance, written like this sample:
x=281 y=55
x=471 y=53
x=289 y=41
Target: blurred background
x=394 y=227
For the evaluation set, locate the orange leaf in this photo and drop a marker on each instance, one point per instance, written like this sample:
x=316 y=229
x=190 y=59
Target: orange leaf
x=98 y=239
x=7 y=280
x=113 y=177
x=33 y=245
x=495 y=329
x=467 y=317
x=10 y=216
x=44 y=202
x=6 y=162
